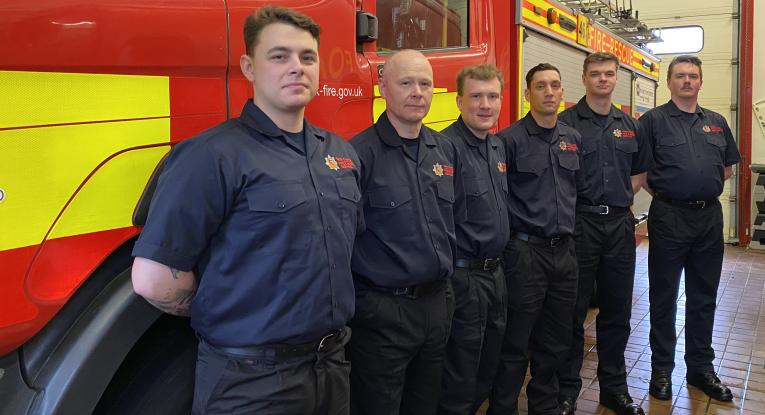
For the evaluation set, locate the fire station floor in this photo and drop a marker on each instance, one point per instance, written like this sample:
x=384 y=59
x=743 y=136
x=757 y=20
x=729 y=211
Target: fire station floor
x=739 y=343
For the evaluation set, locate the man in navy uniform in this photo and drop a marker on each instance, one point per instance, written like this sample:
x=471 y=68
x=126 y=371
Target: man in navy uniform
x=412 y=196
x=472 y=354
x=543 y=160
x=250 y=232
x=694 y=152
x=615 y=158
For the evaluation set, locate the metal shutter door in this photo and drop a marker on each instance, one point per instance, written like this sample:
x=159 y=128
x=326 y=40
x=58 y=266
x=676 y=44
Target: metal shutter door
x=538 y=48
x=623 y=92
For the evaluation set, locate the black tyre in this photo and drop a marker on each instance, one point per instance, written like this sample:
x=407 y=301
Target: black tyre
x=157 y=377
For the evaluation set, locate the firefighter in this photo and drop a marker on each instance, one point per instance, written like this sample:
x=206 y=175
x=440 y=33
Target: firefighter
x=543 y=160
x=615 y=158
x=695 y=153
x=472 y=353
x=412 y=194
x=250 y=232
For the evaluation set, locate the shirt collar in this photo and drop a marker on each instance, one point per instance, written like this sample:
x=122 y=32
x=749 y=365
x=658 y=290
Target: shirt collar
x=255 y=118
x=677 y=112
x=390 y=136
x=585 y=111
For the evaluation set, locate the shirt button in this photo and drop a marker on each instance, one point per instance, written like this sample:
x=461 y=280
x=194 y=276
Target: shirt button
x=281 y=205
x=332 y=266
x=329 y=229
x=322 y=194
x=392 y=204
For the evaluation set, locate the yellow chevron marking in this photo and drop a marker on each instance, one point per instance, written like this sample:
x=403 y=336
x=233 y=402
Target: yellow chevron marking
x=113 y=189
x=45 y=166
x=42 y=98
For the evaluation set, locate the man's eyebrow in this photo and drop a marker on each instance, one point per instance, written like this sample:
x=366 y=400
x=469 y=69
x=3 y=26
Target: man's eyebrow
x=279 y=49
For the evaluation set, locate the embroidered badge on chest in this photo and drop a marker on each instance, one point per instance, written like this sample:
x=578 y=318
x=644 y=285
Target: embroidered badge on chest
x=444 y=170
x=337 y=163
x=331 y=162
x=502 y=167
x=564 y=146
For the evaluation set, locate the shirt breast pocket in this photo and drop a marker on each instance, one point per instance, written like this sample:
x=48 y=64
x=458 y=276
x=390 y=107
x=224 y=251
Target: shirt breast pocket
x=348 y=191
x=273 y=209
x=275 y=198
x=390 y=211
x=445 y=190
x=535 y=165
x=625 y=148
x=716 y=146
x=568 y=160
x=476 y=187
x=672 y=148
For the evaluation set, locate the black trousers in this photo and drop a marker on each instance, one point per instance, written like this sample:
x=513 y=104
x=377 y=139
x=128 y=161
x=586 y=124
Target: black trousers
x=541 y=292
x=472 y=353
x=605 y=252
x=315 y=384
x=397 y=351
x=691 y=240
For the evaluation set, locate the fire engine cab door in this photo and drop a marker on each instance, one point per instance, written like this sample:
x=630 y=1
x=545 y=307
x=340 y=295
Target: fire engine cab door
x=344 y=87
x=538 y=48
x=448 y=33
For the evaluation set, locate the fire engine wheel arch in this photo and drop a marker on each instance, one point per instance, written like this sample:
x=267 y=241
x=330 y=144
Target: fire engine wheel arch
x=94 y=347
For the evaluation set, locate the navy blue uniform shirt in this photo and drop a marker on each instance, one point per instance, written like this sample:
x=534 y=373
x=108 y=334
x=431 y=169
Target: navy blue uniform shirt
x=410 y=207
x=611 y=154
x=541 y=177
x=484 y=173
x=691 y=152
x=267 y=228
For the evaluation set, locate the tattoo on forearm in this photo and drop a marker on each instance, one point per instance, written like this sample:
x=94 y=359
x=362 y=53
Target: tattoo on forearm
x=177 y=302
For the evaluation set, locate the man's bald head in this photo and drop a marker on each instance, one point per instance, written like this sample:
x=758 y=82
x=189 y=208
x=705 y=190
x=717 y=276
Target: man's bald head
x=404 y=58
x=406 y=84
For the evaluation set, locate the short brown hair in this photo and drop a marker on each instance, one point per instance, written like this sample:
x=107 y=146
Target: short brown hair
x=539 y=68
x=255 y=23
x=599 y=57
x=684 y=59
x=484 y=72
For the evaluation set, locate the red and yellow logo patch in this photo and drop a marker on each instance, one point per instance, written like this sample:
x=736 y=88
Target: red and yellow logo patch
x=564 y=146
x=624 y=133
x=337 y=163
x=712 y=129
x=502 y=167
x=444 y=170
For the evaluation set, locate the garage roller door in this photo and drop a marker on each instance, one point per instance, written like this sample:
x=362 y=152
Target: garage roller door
x=538 y=48
x=623 y=92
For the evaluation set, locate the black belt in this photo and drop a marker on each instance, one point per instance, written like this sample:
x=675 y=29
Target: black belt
x=414 y=292
x=602 y=209
x=284 y=351
x=687 y=204
x=487 y=264
x=539 y=240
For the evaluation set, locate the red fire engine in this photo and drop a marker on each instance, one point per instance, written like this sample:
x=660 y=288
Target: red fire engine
x=96 y=92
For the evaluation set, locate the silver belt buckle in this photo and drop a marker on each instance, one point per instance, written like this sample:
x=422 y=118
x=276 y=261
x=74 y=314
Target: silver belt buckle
x=703 y=203
x=324 y=339
x=607 y=210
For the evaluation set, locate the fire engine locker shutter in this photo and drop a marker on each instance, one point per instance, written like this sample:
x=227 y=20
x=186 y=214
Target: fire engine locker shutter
x=623 y=91
x=538 y=48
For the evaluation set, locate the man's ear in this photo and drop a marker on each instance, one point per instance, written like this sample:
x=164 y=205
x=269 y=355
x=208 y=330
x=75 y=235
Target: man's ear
x=248 y=70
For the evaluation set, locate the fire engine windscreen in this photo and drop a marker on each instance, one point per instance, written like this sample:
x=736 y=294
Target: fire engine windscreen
x=422 y=24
